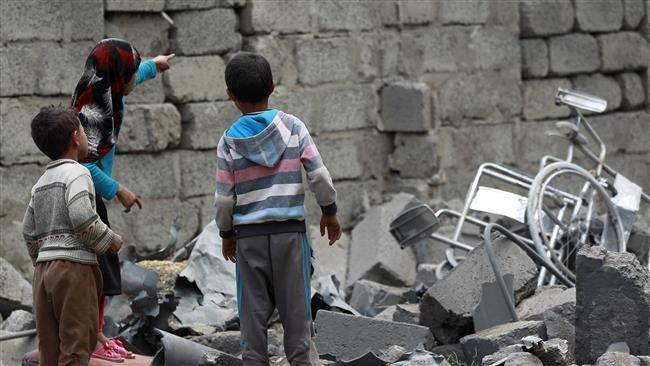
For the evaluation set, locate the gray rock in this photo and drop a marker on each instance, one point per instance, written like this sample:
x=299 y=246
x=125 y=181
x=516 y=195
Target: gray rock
x=544 y=18
x=555 y=352
x=374 y=254
x=414 y=155
x=407 y=313
x=452 y=352
x=266 y=17
x=150 y=92
x=15 y=291
x=189 y=34
x=539 y=99
x=448 y=306
x=501 y=354
x=423 y=358
x=617 y=359
x=406 y=107
x=417 y=12
x=573 y=53
x=355 y=16
x=329 y=259
x=215 y=358
x=341 y=108
x=545 y=298
x=624 y=51
x=559 y=324
x=150 y=128
x=464 y=12
x=599 y=15
x=18 y=321
x=341 y=155
x=227 y=342
x=371 y=298
x=426 y=274
x=205 y=123
x=618 y=347
x=147 y=32
x=14 y=350
x=387 y=314
x=522 y=359
x=327 y=60
x=140 y=6
x=193 y=183
x=346 y=337
x=534 y=58
x=488 y=341
x=612 y=303
x=632 y=90
x=644 y=360
x=634 y=12
x=603 y=86
x=196 y=79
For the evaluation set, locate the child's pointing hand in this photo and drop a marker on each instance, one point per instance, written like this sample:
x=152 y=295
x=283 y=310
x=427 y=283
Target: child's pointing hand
x=162 y=62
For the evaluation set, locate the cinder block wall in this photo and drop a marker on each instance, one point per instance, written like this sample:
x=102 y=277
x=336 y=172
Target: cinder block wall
x=401 y=95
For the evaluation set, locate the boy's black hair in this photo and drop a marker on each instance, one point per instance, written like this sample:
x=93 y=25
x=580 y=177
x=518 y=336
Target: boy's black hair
x=52 y=128
x=249 y=77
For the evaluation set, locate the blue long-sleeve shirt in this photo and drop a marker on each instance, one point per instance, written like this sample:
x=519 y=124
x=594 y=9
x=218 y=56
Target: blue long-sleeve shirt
x=101 y=170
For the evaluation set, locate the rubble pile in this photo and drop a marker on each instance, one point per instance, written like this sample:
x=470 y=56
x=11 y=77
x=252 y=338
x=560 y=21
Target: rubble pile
x=385 y=306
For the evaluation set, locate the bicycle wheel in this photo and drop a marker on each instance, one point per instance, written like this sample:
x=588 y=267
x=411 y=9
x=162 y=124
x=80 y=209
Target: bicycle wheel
x=564 y=218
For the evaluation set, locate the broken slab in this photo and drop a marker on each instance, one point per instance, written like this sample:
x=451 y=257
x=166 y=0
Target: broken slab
x=371 y=298
x=407 y=313
x=18 y=321
x=617 y=359
x=15 y=291
x=329 y=259
x=423 y=358
x=343 y=337
x=612 y=303
x=387 y=314
x=488 y=341
x=447 y=306
x=374 y=253
x=522 y=359
x=555 y=352
x=559 y=323
x=501 y=354
x=216 y=358
x=545 y=298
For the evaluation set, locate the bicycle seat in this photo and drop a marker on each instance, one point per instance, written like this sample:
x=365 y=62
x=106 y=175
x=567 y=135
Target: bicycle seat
x=569 y=131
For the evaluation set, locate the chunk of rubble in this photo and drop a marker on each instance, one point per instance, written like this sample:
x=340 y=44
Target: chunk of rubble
x=488 y=341
x=422 y=358
x=426 y=274
x=407 y=313
x=522 y=359
x=387 y=314
x=216 y=358
x=447 y=306
x=370 y=298
x=559 y=323
x=344 y=338
x=612 y=303
x=18 y=321
x=452 y=352
x=554 y=352
x=179 y=351
x=617 y=359
x=12 y=351
x=502 y=354
x=15 y=291
x=545 y=298
x=223 y=341
x=375 y=254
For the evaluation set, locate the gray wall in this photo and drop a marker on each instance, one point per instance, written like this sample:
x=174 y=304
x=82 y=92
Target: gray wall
x=401 y=95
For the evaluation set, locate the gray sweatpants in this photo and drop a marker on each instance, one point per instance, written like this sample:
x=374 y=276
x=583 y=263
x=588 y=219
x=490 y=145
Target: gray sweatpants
x=274 y=271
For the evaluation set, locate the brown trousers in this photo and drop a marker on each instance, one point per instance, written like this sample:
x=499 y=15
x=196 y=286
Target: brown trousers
x=65 y=302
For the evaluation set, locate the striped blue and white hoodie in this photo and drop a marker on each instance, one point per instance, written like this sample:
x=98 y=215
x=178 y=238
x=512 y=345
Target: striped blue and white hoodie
x=259 y=176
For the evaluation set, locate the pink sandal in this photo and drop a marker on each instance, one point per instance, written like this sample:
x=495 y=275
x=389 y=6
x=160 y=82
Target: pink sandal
x=118 y=347
x=106 y=352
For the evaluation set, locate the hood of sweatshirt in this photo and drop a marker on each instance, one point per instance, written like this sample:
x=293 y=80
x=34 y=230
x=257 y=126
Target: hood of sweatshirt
x=261 y=137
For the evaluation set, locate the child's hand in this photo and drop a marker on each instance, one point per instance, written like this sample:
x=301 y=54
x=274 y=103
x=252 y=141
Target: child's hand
x=128 y=198
x=162 y=62
x=229 y=249
x=116 y=244
x=331 y=222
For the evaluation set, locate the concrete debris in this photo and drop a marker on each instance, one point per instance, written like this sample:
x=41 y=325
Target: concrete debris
x=387 y=314
x=452 y=353
x=545 y=298
x=15 y=291
x=554 y=352
x=522 y=359
x=617 y=359
x=178 y=351
x=488 y=341
x=223 y=341
x=426 y=274
x=12 y=351
x=370 y=298
x=448 y=305
x=18 y=321
x=407 y=313
x=326 y=296
x=502 y=354
x=559 y=323
x=612 y=303
x=423 y=358
x=345 y=338
x=216 y=358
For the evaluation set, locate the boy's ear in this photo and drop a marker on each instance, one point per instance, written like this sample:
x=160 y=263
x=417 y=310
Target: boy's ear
x=75 y=138
x=231 y=96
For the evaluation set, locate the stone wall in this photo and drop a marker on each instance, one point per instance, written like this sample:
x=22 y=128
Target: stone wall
x=400 y=95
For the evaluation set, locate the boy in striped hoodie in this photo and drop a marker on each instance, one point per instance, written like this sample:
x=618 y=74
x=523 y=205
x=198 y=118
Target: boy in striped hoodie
x=261 y=214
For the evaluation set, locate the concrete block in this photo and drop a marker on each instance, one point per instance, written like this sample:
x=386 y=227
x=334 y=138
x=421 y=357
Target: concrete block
x=534 y=58
x=266 y=17
x=327 y=60
x=426 y=274
x=374 y=254
x=340 y=108
x=227 y=342
x=197 y=172
x=135 y=6
x=415 y=156
x=545 y=298
x=545 y=18
x=497 y=48
x=329 y=259
x=448 y=48
x=531 y=143
x=345 y=337
x=600 y=85
x=634 y=12
x=18 y=62
x=201 y=4
x=632 y=138
x=522 y=358
x=81 y=20
x=612 y=303
x=505 y=13
x=341 y=156
x=371 y=298
x=149 y=128
x=297 y=101
x=334 y=15
x=555 y=351
x=405 y=107
x=501 y=354
x=13 y=351
x=16 y=144
x=417 y=12
x=15 y=291
x=488 y=341
x=573 y=53
x=599 y=15
x=191 y=27
x=353 y=202
x=617 y=358
x=539 y=99
x=149 y=175
x=632 y=90
x=150 y=92
x=17 y=182
x=146 y=32
x=18 y=321
x=387 y=314
x=624 y=51
x=205 y=205
x=196 y=79
x=469 y=146
x=205 y=123
x=464 y=12
x=407 y=313
x=23 y=21
x=280 y=54
x=448 y=305
x=12 y=243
